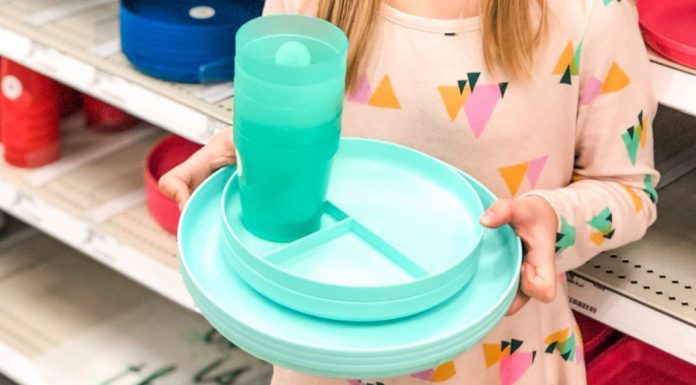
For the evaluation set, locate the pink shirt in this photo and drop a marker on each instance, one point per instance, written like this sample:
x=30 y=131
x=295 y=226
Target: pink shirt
x=578 y=134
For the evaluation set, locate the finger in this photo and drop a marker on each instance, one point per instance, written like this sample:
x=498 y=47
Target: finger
x=539 y=281
x=498 y=214
x=174 y=187
x=518 y=303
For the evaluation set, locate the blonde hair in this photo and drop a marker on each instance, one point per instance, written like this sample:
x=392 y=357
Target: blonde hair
x=509 y=36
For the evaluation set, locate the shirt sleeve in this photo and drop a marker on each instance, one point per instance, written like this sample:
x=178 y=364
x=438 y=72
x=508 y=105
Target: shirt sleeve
x=611 y=200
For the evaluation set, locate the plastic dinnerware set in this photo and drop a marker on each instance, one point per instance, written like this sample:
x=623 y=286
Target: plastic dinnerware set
x=347 y=258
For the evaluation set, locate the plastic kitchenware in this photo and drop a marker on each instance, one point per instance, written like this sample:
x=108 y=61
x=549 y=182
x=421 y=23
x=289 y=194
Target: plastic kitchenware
x=104 y=117
x=30 y=110
x=332 y=348
x=400 y=235
x=630 y=361
x=596 y=336
x=165 y=155
x=187 y=41
x=289 y=85
x=668 y=27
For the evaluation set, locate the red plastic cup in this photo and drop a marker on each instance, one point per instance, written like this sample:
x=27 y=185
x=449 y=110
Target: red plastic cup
x=633 y=362
x=104 y=117
x=30 y=111
x=164 y=156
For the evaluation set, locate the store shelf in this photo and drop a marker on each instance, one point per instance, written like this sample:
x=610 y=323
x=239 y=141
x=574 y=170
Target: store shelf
x=65 y=320
x=93 y=200
x=77 y=42
x=674 y=84
x=648 y=289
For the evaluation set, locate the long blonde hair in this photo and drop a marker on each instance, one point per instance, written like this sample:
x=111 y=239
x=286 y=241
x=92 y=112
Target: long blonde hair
x=509 y=36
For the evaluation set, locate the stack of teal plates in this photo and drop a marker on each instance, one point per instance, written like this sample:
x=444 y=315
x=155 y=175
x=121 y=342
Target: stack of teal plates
x=399 y=279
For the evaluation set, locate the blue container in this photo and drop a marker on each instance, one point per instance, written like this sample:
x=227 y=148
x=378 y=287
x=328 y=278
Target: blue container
x=184 y=41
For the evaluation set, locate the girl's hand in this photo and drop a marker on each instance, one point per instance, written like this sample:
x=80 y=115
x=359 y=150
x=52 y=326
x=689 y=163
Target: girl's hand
x=179 y=182
x=534 y=220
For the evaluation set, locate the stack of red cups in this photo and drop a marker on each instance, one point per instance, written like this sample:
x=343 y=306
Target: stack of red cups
x=30 y=106
x=104 y=117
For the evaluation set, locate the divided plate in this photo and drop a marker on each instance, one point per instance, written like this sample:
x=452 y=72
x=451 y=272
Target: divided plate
x=340 y=349
x=400 y=234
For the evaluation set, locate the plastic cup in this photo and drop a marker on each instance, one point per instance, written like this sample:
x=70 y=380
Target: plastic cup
x=30 y=110
x=289 y=86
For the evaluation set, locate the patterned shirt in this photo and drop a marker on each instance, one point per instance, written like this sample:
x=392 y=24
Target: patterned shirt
x=578 y=134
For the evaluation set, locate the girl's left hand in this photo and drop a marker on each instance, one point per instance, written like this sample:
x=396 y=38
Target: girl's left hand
x=535 y=222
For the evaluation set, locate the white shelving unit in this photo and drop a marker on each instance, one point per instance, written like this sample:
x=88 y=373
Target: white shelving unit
x=92 y=198
x=66 y=320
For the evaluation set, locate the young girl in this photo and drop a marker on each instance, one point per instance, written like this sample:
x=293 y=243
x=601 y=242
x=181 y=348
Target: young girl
x=547 y=102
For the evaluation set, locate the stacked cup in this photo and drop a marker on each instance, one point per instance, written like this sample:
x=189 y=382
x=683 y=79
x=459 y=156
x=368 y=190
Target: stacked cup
x=30 y=107
x=289 y=85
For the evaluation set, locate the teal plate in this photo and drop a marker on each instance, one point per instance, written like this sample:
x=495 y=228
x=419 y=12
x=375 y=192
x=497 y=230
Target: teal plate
x=400 y=235
x=332 y=348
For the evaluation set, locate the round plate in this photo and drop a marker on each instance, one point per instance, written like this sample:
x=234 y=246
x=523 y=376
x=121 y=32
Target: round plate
x=668 y=28
x=399 y=236
x=336 y=348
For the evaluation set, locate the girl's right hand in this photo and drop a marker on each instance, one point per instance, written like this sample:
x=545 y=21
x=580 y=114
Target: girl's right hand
x=179 y=182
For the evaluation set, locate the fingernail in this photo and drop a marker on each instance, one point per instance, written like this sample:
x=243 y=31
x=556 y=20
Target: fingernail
x=486 y=218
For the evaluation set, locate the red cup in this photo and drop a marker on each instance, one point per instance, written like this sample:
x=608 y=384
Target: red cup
x=30 y=111
x=104 y=117
x=164 y=156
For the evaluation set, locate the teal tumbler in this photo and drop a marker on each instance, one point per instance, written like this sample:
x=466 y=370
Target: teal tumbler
x=289 y=86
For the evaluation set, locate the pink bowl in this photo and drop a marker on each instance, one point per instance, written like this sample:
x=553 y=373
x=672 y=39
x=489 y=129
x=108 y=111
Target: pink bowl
x=164 y=156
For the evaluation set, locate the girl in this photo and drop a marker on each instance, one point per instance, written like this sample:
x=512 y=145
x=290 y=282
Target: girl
x=547 y=102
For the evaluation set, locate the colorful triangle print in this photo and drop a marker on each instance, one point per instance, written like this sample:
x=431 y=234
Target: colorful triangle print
x=493 y=354
x=513 y=367
x=362 y=91
x=384 y=95
x=637 y=202
x=616 y=80
x=441 y=373
x=479 y=106
x=514 y=175
x=536 y=166
x=650 y=188
x=461 y=84
x=634 y=137
x=604 y=225
x=566 y=79
x=473 y=78
x=591 y=90
x=565 y=238
x=453 y=99
x=565 y=61
x=503 y=87
x=575 y=67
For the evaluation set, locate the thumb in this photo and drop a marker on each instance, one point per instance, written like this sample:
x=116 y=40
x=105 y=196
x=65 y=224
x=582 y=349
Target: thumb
x=498 y=214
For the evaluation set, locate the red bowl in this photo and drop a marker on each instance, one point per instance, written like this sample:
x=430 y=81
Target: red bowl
x=669 y=28
x=632 y=362
x=164 y=156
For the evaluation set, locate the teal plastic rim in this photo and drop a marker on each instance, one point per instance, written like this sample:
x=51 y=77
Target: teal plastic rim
x=332 y=348
x=418 y=285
